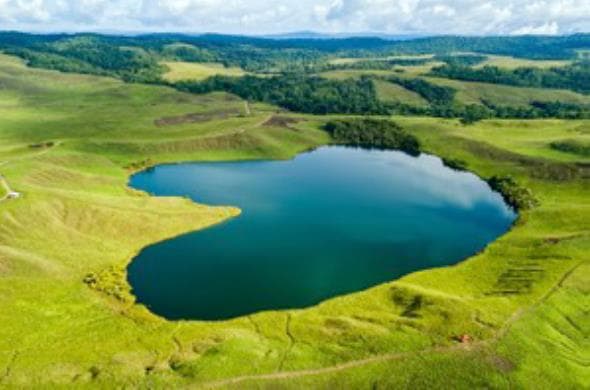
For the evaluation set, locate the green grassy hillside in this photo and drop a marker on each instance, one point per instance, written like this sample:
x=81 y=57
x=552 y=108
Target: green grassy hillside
x=467 y=92
x=474 y=93
x=178 y=71
x=390 y=92
x=513 y=63
x=69 y=143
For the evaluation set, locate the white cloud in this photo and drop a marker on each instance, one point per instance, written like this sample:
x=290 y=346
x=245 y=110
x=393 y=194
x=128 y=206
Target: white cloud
x=544 y=29
x=268 y=16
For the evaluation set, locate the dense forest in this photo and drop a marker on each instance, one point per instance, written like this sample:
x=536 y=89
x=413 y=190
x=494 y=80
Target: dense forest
x=461 y=59
x=298 y=92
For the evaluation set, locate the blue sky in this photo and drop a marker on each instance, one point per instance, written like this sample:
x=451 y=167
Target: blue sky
x=474 y=17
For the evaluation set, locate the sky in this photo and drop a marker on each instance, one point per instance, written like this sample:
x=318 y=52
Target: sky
x=254 y=17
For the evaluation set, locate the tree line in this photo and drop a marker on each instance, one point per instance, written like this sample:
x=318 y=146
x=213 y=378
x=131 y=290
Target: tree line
x=575 y=77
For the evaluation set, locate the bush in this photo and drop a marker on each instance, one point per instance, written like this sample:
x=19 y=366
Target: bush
x=112 y=282
x=520 y=198
x=455 y=163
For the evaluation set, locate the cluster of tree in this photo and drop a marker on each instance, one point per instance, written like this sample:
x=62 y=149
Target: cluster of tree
x=575 y=77
x=298 y=92
x=475 y=112
x=373 y=133
x=461 y=59
x=472 y=113
x=435 y=94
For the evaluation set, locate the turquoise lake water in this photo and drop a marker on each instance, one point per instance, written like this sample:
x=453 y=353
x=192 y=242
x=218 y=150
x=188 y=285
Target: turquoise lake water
x=329 y=222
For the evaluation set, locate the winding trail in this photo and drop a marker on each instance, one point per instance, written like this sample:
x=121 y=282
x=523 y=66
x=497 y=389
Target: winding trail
x=500 y=333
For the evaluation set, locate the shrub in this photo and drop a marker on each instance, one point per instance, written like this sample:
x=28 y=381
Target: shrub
x=520 y=198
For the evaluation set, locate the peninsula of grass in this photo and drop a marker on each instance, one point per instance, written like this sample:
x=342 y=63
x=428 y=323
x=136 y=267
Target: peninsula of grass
x=513 y=316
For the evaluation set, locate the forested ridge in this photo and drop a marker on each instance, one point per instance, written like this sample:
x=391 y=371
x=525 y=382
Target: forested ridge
x=253 y=53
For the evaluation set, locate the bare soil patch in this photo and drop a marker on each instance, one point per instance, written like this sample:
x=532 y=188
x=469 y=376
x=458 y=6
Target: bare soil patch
x=195 y=118
x=282 y=121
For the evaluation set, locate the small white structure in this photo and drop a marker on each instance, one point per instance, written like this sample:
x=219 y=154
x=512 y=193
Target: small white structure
x=13 y=195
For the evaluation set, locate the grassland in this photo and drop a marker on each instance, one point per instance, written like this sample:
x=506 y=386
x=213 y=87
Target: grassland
x=492 y=60
x=4 y=189
x=386 y=91
x=352 y=60
x=522 y=300
x=390 y=92
x=179 y=70
x=513 y=63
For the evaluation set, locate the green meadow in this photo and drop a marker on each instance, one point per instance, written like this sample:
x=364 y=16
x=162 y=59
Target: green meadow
x=512 y=62
x=179 y=70
x=69 y=143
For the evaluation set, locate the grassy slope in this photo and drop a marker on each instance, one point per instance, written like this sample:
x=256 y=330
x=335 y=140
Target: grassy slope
x=473 y=93
x=196 y=71
x=352 y=60
x=492 y=60
x=78 y=216
x=512 y=63
x=390 y=92
x=387 y=92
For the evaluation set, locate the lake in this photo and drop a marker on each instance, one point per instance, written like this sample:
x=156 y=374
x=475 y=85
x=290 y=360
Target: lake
x=329 y=222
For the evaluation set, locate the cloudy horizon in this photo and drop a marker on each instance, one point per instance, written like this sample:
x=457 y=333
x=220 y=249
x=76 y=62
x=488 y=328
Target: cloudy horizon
x=258 y=17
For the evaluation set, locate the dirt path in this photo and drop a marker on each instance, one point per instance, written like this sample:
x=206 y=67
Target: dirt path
x=400 y=355
x=242 y=130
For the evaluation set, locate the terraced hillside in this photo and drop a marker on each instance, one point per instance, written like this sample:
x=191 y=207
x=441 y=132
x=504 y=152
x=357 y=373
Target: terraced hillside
x=69 y=143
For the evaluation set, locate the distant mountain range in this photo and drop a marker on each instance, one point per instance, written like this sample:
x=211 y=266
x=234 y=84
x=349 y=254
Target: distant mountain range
x=317 y=35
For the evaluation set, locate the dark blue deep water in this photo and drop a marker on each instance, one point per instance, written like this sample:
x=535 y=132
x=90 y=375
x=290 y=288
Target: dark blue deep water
x=329 y=222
